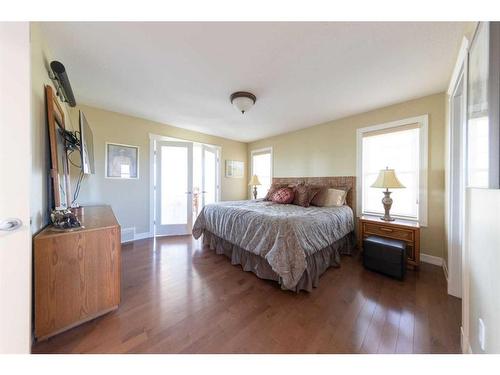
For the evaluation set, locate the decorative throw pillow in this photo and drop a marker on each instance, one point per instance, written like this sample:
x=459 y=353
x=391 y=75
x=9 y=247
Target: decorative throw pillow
x=335 y=197
x=283 y=196
x=273 y=189
x=326 y=197
x=320 y=197
x=304 y=194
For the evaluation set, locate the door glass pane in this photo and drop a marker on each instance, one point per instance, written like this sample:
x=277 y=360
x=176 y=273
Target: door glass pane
x=261 y=166
x=210 y=177
x=174 y=185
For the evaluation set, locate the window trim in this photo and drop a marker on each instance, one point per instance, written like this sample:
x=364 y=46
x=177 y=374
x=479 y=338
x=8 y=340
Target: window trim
x=423 y=122
x=258 y=151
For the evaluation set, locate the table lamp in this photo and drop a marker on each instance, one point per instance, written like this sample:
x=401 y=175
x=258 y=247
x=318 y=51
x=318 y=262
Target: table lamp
x=254 y=181
x=387 y=179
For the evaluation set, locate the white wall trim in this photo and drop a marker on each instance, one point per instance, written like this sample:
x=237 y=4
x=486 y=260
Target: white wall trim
x=423 y=121
x=153 y=138
x=464 y=342
x=455 y=165
x=431 y=259
x=445 y=270
x=462 y=54
x=140 y=236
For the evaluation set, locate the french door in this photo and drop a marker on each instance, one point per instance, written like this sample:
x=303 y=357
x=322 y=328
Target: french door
x=209 y=172
x=174 y=188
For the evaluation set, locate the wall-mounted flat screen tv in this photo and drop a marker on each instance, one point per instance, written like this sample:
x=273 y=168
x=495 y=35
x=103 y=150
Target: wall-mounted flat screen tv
x=86 y=146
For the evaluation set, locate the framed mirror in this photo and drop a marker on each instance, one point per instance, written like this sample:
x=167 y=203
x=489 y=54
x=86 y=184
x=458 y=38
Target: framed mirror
x=59 y=168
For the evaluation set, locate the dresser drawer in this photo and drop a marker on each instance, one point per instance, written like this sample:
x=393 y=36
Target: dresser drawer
x=388 y=231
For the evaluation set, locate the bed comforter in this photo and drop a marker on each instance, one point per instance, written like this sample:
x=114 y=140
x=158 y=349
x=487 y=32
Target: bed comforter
x=283 y=234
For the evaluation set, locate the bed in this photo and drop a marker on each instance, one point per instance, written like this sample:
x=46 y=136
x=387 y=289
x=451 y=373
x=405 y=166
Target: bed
x=286 y=243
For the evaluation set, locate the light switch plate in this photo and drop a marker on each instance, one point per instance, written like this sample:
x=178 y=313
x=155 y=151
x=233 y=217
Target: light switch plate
x=482 y=335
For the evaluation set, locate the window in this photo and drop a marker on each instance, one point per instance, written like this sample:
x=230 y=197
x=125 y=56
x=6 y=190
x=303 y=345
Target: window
x=401 y=146
x=262 y=167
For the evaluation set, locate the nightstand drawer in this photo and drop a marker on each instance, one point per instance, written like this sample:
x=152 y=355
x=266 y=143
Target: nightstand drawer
x=388 y=231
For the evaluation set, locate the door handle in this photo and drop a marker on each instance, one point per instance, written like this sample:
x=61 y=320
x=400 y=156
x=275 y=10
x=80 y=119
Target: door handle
x=188 y=192
x=10 y=224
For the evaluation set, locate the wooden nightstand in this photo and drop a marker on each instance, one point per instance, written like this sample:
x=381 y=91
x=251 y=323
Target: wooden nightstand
x=400 y=230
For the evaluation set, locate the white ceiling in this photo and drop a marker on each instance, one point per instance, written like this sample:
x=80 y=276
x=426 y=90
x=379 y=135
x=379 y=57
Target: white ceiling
x=303 y=74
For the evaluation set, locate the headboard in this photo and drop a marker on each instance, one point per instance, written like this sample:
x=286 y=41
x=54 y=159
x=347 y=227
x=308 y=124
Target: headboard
x=334 y=182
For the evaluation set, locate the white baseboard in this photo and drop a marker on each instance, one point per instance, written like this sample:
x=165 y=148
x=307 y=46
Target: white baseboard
x=464 y=341
x=431 y=259
x=445 y=270
x=141 y=236
x=138 y=236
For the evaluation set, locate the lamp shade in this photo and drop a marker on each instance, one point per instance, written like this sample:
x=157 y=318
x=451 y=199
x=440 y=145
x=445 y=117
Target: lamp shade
x=387 y=179
x=254 y=181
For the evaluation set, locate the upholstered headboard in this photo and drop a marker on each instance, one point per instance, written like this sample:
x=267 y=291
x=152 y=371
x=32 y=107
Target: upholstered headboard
x=334 y=182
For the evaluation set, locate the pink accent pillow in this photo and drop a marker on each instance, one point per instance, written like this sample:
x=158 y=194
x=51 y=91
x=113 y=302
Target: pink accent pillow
x=283 y=196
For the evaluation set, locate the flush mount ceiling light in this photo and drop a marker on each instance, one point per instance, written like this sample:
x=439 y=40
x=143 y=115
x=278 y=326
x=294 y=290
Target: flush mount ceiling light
x=243 y=100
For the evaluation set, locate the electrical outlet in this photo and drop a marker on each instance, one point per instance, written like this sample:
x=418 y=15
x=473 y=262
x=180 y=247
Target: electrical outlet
x=482 y=335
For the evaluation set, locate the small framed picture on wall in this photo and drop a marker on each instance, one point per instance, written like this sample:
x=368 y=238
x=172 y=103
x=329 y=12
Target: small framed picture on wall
x=234 y=169
x=122 y=161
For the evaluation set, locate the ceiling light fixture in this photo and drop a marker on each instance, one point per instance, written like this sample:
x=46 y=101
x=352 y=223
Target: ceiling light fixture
x=243 y=100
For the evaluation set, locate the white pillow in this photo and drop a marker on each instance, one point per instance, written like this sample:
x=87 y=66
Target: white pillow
x=335 y=198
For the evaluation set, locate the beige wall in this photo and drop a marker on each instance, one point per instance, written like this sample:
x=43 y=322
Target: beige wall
x=330 y=150
x=40 y=59
x=130 y=198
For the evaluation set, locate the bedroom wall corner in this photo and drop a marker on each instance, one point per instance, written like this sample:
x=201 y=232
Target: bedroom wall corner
x=130 y=199
x=40 y=180
x=329 y=149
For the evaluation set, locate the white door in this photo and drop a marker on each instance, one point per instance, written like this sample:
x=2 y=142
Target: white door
x=210 y=175
x=15 y=169
x=174 y=182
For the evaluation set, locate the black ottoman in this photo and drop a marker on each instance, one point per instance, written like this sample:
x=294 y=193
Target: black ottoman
x=385 y=255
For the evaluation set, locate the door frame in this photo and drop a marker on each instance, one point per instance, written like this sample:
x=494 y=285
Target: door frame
x=152 y=141
x=456 y=172
x=457 y=267
x=217 y=171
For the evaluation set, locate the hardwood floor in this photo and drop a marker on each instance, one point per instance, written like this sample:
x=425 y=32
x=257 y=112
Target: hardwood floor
x=178 y=297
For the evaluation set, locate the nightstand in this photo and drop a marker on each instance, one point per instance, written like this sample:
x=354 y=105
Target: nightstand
x=407 y=231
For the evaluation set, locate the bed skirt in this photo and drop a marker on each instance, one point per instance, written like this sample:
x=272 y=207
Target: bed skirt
x=317 y=263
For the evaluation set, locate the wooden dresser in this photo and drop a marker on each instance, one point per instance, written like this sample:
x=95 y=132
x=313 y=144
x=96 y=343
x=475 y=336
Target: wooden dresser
x=77 y=274
x=399 y=229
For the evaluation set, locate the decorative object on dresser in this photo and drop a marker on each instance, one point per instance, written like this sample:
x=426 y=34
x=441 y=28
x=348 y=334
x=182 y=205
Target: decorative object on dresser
x=65 y=220
x=387 y=180
x=406 y=231
x=77 y=274
x=254 y=181
x=385 y=255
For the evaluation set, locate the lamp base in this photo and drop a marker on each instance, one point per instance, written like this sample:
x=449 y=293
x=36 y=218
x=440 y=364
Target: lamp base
x=387 y=218
x=387 y=202
x=255 y=192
